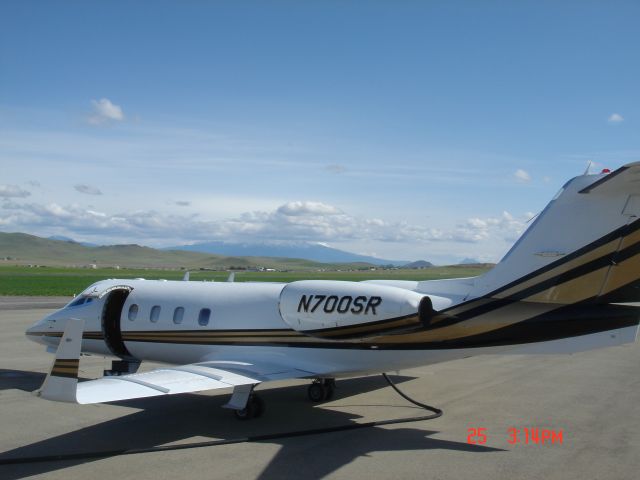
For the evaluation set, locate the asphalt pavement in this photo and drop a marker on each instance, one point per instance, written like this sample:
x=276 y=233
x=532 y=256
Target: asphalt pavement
x=586 y=406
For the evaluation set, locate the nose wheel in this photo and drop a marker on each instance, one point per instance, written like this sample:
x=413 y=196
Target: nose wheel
x=321 y=390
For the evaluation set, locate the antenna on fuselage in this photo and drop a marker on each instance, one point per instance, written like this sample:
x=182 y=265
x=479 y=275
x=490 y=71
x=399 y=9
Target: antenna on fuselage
x=232 y=277
x=186 y=276
x=588 y=170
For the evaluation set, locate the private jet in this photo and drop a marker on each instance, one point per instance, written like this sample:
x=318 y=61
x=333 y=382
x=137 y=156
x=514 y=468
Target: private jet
x=568 y=284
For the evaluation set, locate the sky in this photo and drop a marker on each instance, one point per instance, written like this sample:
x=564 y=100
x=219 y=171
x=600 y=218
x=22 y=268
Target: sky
x=401 y=129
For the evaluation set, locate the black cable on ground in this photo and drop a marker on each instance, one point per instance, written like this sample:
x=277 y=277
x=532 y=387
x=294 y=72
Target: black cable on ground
x=436 y=411
x=255 y=438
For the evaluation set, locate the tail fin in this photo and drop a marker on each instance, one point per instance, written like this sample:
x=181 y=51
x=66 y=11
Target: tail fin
x=584 y=246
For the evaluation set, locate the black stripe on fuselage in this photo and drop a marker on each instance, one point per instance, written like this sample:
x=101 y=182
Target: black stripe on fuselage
x=564 y=322
x=616 y=234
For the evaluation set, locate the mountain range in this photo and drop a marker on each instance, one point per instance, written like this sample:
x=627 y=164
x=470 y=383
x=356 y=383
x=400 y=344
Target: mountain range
x=316 y=252
x=21 y=248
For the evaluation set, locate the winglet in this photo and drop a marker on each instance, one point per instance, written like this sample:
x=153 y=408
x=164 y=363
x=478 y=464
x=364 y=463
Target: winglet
x=62 y=382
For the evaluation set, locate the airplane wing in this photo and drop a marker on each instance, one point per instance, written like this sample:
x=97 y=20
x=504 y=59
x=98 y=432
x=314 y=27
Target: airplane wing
x=62 y=382
x=182 y=379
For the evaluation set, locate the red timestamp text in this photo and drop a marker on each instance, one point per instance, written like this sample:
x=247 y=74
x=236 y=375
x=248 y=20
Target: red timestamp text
x=519 y=435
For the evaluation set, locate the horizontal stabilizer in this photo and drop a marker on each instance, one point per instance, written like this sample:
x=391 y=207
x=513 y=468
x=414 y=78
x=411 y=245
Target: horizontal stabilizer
x=609 y=338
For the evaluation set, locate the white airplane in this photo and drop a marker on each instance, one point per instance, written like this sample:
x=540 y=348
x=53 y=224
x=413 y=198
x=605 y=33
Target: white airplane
x=566 y=285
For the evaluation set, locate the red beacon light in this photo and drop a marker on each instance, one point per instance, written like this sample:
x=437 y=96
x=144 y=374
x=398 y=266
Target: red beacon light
x=606 y=170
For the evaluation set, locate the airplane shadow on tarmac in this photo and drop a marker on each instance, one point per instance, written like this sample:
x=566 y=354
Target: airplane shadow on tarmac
x=20 y=380
x=176 y=419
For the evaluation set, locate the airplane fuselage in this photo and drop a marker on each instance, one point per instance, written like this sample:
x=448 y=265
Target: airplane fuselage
x=370 y=329
x=190 y=322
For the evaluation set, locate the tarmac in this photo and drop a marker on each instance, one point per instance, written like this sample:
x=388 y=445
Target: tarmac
x=592 y=398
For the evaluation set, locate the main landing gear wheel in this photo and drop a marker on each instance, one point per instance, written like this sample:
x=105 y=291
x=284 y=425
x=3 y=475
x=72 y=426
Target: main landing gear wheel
x=254 y=408
x=321 y=390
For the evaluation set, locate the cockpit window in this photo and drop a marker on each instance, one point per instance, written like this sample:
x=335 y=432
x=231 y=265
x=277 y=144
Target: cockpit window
x=80 y=300
x=77 y=301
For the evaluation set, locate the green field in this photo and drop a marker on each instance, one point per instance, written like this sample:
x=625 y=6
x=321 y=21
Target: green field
x=58 y=281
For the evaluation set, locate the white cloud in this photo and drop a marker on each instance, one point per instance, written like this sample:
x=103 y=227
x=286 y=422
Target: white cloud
x=522 y=176
x=615 y=118
x=505 y=227
x=87 y=189
x=294 y=221
x=335 y=168
x=307 y=208
x=105 y=111
x=13 y=191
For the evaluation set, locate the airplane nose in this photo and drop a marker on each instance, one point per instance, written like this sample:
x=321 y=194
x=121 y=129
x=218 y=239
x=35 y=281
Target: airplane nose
x=35 y=331
x=32 y=334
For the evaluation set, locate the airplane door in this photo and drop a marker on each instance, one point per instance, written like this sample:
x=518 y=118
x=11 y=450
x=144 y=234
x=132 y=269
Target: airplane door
x=111 y=323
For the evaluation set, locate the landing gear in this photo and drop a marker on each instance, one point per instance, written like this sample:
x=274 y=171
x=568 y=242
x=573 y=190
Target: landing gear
x=321 y=390
x=245 y=403
x=253 y=409
x=122 y=367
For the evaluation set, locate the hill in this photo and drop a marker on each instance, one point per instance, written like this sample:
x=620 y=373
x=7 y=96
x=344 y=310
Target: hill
x=316 y=252
x=470 y=261
x=23 y=249
x=418 y=264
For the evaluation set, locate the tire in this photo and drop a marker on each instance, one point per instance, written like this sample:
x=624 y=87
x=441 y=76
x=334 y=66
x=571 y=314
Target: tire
x=257 y=405
x=316 y=392
x=254 y=409
x=243 y=413
x=328 y=393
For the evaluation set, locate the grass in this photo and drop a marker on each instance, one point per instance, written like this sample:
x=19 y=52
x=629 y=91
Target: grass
x=60 y=281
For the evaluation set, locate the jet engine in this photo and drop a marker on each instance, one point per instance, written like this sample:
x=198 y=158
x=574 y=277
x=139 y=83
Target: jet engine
x=346 y=310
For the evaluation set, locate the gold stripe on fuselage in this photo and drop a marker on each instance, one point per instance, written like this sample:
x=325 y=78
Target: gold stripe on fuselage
x=622 y=274
x=366 y=329
x=598 y=252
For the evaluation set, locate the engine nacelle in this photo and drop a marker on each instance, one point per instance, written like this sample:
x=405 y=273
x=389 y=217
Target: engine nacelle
x=341 y=310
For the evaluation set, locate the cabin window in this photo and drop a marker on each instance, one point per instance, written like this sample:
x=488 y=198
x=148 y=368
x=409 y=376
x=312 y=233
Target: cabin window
x=155 y=313
x=133 y=312
x=178 y=314
x=203 y=318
